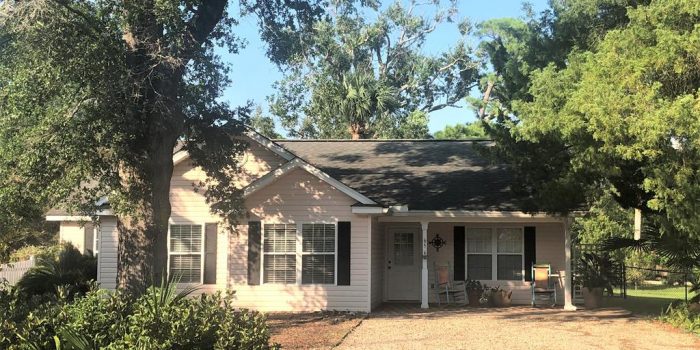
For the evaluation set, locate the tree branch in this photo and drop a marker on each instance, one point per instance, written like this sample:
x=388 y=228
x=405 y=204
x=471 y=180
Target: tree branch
x=205 y=20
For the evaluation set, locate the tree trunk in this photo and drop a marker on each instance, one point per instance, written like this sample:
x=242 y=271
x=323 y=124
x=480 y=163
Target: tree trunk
x=357 y=131
x=143 y=246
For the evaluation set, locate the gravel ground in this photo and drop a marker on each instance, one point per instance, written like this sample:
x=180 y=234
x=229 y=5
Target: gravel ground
x=513 y=328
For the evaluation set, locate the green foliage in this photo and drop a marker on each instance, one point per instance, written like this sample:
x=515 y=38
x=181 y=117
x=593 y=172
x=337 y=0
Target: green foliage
x=263 y=124
x=363 y=75
x=36 y=251
x=615 y=111
x=596 y=271
x=159 y=319
x=683 y=315
x=96 y=95
x=69 y=272
x=658 y=237
x=18 y=237
x=461 y=131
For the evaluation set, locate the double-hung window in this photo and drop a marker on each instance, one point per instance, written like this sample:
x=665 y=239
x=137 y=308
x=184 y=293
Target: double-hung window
x=494 y=254
x=479 y=253
x=509 y=253
x=185 y=253
x=312 y=261
x=279 y=253
x=318 y=254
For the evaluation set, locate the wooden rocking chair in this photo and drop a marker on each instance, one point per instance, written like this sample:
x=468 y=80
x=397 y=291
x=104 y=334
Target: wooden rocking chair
x=454 y=291
x=543 y=284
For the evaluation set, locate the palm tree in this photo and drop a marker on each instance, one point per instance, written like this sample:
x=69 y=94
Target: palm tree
x=679 y=251
x=70 y=271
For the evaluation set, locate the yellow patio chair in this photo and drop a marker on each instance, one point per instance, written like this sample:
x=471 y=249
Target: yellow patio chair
x=543 y=286
x=454 y=291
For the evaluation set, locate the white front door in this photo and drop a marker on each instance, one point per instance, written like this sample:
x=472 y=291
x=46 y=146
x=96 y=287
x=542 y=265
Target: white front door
x=403 y=258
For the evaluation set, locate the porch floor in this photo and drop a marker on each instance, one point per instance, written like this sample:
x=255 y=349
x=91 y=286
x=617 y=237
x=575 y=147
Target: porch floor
x=407 y=326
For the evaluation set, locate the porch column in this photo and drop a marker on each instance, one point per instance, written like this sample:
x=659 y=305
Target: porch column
x=424 y=271
x=568 y=302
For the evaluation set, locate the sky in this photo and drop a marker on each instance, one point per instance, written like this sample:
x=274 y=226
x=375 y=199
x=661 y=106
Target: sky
x=253 y=74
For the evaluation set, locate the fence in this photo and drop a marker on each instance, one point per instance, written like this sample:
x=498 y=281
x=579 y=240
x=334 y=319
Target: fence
x=645 y=282
x=12 y=272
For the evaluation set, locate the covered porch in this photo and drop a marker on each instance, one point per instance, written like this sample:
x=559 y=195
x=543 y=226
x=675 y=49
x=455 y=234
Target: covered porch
x=495 y=248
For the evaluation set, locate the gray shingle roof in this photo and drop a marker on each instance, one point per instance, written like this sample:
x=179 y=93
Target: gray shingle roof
x=423 y=174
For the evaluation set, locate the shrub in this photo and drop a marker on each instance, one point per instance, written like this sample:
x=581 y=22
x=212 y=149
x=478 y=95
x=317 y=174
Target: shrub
x=37 y=251
x=69 y=272
x=159 y=319
x=683 y=315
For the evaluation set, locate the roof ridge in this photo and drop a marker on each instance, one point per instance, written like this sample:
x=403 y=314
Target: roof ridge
x=384 y=140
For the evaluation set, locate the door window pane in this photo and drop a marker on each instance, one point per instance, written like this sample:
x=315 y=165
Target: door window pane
x=403 y=248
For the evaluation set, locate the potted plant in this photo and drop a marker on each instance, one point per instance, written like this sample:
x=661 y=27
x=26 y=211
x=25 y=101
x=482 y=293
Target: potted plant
x=595 y=277
x=475 y=290
x=500 y=297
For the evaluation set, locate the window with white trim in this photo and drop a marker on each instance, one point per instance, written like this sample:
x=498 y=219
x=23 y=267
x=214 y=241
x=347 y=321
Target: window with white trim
x=494 y=253
x=279 y=253
x=509 y=254
x=185 y=253
x=479 y=253
x=318 y=253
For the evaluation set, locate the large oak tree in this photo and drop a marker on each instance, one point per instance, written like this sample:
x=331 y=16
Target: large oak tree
x=96 y=96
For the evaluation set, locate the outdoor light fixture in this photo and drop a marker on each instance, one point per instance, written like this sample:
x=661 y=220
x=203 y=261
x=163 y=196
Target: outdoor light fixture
x=437 y=242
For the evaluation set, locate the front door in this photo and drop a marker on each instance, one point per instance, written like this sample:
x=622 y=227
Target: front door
x=403 y=265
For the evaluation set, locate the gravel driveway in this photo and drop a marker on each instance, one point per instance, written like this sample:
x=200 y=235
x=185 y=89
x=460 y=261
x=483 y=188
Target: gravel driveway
x=513 y=328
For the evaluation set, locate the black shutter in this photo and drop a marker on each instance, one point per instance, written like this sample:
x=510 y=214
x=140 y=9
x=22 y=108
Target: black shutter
x=459 y=253
x=530 y=254
x=254 y=241
x=210 y=233
x=343 y=253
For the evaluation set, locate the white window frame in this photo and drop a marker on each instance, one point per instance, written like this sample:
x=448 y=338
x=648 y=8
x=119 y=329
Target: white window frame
x=201 y=250
x=262 y=249
x=494 y=251
x=299 y=253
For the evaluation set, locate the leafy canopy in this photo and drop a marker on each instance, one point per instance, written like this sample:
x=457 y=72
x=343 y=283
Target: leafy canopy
x=362 y=74
x=462 y=131
x=599 y=97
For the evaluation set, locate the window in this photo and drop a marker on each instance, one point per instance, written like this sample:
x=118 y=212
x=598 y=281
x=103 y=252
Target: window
x=479 y=252
x=318 y=254
x=279 y=253
x=403 y=248
x=510 y=253
x=501 y=248
x=185 y=253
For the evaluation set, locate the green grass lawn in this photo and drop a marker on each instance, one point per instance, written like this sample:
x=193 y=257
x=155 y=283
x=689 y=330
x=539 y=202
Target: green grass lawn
x=648 y=300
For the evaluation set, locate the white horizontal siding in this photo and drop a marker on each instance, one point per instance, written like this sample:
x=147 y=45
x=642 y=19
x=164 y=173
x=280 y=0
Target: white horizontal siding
x=301 y=197
x=108 y=249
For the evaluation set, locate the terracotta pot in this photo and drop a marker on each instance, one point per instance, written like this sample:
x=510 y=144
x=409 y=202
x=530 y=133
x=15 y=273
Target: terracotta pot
x=502 y=298
x=474 y=297
x=592 y=297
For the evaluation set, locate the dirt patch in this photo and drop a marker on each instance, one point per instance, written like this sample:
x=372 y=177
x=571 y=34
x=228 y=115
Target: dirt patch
x=317 y=330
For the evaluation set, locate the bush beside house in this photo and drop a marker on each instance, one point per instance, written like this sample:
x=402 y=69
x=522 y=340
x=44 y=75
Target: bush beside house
x=57 y=305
